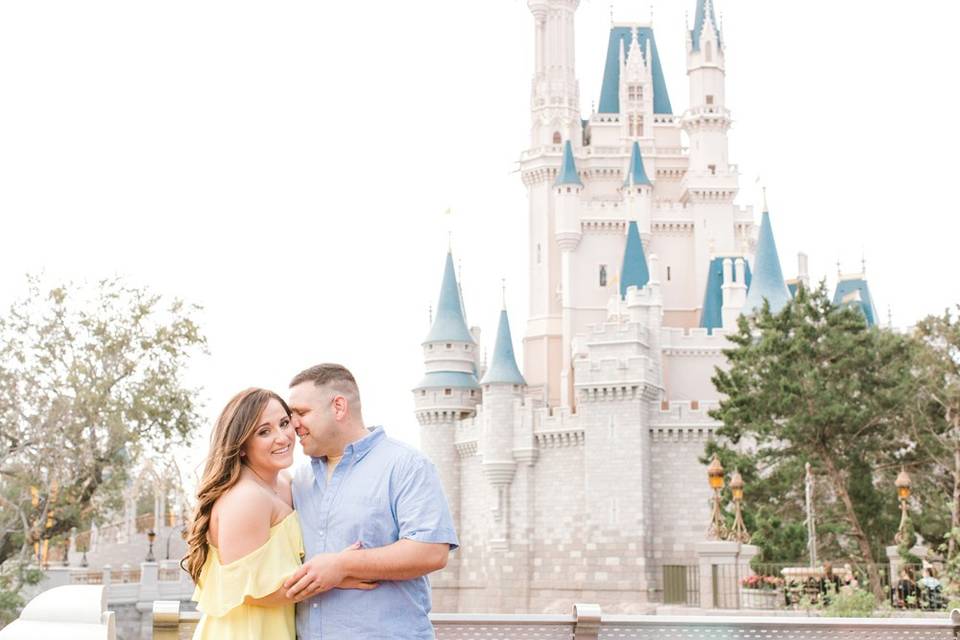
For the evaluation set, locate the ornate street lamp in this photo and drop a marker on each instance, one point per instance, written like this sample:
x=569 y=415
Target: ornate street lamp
x=151 y=536
x=718 y=529
x=739 y=531
x=903 y=484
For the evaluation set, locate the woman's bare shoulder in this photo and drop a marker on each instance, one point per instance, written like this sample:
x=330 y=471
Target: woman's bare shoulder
x=245 y=501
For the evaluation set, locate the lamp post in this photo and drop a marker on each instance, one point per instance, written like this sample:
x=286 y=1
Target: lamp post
x=151 y=536
x=717 y=530
x=739 y=531
x=903 y=484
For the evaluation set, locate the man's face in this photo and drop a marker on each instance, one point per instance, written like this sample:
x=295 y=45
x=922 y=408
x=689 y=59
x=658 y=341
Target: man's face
x=314 y=418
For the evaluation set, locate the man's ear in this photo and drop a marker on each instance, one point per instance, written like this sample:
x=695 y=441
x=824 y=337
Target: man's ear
x=340 y=407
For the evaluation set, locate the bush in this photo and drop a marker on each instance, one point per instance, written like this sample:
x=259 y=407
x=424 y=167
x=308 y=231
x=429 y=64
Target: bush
x=851 y=603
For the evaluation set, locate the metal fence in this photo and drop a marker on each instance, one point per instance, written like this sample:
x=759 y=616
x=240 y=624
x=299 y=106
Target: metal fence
x=681 y=584
x=589 y=623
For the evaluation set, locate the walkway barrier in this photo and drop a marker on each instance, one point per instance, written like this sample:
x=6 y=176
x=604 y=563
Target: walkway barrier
x=74 y=612
x=589 y=623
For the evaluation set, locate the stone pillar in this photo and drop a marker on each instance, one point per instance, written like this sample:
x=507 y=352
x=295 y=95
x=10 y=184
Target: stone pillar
x=722 y=565
x=149 y=582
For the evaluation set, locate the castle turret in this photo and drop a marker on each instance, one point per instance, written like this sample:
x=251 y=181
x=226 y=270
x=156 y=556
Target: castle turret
x=710 y=184
x=767 y=282
x=567 y=190
x=503 y=387
x=555 y=93
x=638 y=192
x=448 y=391
x=635 y=271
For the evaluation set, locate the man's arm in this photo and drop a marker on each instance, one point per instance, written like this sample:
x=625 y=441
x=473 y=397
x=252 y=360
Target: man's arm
x=402 y=560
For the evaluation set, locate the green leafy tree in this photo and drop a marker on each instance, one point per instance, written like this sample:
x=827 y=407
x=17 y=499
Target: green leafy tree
x=90 y=383
x=935 y=422
x=813 y=383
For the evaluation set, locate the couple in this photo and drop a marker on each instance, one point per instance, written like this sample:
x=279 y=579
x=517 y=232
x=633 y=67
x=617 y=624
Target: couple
x=368 y=514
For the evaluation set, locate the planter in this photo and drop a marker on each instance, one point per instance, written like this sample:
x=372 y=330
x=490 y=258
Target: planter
x=760 y=598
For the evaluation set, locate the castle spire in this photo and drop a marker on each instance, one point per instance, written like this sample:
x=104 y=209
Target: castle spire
x=568 y=168
x=767 y=281
x=503 y=367
x=449 y=325
x=634 y=272
x=705 y=16
x=636 y=175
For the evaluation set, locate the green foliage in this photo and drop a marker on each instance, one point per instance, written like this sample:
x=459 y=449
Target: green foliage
x=851 y=603
x=13 y=577
x=814 y=384
x=90 y=384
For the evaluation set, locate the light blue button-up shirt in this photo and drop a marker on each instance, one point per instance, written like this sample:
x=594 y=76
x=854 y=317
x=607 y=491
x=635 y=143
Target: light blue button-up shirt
x=382 y=491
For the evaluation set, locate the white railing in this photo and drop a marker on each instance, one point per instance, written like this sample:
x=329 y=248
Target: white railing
x=589 y=623
x=75 y=612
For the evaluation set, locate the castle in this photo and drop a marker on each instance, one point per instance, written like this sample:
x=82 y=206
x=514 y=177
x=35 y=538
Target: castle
x=578 y=478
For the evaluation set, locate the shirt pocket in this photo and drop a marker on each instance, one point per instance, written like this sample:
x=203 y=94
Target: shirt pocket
x=377 y=526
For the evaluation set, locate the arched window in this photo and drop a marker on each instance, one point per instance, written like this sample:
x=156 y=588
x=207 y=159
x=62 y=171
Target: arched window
x=556 y=137
x=603 y=275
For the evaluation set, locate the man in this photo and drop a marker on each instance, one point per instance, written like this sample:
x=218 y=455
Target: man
x=362 y=487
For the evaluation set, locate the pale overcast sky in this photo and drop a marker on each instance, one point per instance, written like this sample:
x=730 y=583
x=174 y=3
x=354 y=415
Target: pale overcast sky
x=287 y=164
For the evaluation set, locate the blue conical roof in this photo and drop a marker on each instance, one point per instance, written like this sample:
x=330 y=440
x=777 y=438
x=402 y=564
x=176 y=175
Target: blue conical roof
x=503 y=367
x=635 y=272
x=568 y=168
x=449 y=324
x=635 y=172
x=699 y=22
x=767 y=281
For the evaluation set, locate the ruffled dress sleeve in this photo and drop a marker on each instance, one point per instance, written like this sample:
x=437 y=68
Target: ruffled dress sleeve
x=222 y=587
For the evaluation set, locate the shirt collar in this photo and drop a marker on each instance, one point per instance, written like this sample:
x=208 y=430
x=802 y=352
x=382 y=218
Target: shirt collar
x=356 y=450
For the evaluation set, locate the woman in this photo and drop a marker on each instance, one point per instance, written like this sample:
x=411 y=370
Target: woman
x=245 y=539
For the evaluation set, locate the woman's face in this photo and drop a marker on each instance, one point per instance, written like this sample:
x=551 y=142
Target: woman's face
x=270 y=447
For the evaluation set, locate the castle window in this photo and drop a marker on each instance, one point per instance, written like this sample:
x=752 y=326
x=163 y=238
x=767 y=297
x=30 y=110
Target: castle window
x=449 y=346
x=466 y=347
x=712 y=168
x=634 y=92
x=635 y=125
x=472 y=393
x=668 y=274
x=448 y=392
x=708 y=52
x=556 y=137
x=423 y=392
x=603 y=275
x=538 y=253
x=709 y=99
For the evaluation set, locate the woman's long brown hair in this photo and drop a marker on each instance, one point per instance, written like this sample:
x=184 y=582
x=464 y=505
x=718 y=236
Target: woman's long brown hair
x=234 y=427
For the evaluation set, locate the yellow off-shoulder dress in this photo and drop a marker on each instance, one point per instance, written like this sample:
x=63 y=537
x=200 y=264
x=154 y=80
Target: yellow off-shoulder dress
x=223 y=588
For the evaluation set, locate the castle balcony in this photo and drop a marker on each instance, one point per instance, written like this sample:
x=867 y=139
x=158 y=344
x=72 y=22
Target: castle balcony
x=693 y=342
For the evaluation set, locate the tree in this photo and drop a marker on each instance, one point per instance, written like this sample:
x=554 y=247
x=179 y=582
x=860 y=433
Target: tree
x=813 y=383
x=90 y=383
x=936 y=424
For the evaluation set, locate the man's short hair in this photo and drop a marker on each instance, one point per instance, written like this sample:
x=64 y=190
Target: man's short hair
x=334 y=376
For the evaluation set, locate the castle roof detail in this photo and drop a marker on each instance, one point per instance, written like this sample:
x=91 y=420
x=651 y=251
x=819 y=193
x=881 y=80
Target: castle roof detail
x=854 y=291
x=635 y=272
x=503 y=367
x=712 y=315
x=610 y=88
x=768 y=282
x=449 y=324
x=636 y=175
x=448 y=379
x=568 y=168
x=704 y=13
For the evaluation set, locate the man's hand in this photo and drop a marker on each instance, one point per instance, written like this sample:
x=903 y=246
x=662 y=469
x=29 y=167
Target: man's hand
x=320 y=573
x=354 y=583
